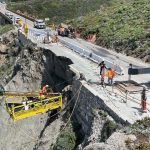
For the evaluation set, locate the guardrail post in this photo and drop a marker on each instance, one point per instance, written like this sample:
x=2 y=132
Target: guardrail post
x=130 y=66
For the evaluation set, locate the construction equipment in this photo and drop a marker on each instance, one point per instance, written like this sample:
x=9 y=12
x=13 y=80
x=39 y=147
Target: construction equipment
x=24 y=105
x=66 y=31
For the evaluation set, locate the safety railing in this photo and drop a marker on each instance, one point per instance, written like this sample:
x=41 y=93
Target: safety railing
x=32 y=108
x=40 y=35
x=91 y=55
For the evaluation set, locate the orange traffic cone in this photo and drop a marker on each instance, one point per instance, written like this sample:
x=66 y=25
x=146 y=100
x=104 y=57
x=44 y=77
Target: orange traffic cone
x=144 y=105
x=143 y=100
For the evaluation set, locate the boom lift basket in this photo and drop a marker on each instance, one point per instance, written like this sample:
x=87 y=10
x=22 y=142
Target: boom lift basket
x=24 y=105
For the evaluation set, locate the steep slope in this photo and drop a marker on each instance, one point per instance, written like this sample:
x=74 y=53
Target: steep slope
x=124 y=27
x=58 y=10
x=5 y=28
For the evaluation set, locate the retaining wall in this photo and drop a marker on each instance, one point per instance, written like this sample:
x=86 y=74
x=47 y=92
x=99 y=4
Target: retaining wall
x=88 y=101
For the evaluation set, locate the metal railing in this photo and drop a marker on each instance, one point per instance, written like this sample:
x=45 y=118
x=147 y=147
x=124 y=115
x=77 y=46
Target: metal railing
x=91 y=55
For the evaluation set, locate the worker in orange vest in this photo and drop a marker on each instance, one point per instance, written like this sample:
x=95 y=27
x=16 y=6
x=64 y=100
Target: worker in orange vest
x=110 y=74
x=44 y=90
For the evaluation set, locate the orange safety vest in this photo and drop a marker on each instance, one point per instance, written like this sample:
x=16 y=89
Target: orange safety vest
x=110 y=74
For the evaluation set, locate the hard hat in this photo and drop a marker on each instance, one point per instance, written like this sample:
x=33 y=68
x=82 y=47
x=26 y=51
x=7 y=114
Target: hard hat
x=47 y=85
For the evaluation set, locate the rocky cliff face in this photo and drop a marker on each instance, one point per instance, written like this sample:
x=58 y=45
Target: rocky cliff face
x=35 y=67
x=27 y=73
x=32 y=68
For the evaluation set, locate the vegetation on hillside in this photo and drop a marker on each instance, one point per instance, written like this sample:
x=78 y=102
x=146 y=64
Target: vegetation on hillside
x=124 y=27
x=66 y=140
x=5 y=28
x=57 y=10
x=141 y=129
x=120 y=25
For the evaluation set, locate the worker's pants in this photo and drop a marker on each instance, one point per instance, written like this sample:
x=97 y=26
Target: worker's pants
x=110 y=81
x=101 y=70
x=102 y=80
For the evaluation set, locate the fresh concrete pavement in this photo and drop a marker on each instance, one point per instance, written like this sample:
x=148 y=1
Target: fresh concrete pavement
x=130 y=111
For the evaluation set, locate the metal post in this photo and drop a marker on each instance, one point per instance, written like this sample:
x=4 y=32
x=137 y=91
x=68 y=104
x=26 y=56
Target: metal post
x=126 y=96
x=130 y=66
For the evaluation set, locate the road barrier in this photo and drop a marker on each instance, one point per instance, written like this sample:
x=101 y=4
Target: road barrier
x=36 y=35
x=6 y=18
x=39 y=35
x=91 y=55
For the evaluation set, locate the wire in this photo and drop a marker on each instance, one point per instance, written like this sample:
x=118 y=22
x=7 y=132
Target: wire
x=78 y=91
x=66 y=105
x=130 y=97
x=72 y=110
x=103 y=88
x=63 y=82
x=24 y=132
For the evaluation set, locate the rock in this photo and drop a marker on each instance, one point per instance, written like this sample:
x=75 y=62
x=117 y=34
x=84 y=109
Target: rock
x=95 y=146
x=146 y=58
x=115 y=142
x=132 y=137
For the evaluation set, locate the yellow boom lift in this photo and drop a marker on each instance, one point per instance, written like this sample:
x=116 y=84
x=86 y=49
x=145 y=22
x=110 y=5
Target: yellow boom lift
x=24 y=105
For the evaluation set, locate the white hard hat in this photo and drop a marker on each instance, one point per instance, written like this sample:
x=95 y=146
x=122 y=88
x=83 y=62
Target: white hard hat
x=47 y=85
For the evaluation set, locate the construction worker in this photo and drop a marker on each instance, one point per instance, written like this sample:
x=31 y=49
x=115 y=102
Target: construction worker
x=20 y=23
x=102 y=67
x=44 y=90
x=102 y=80
x=110 y=74
x=102 y=71
x=26 y=29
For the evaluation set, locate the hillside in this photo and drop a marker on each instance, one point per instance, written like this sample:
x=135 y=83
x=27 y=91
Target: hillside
x=124 y=27
x=58 y=10
x=119 y=25
x=5 y=28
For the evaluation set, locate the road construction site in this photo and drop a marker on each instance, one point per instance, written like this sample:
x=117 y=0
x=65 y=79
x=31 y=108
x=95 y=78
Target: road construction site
x=72 y=64
x=127 y=107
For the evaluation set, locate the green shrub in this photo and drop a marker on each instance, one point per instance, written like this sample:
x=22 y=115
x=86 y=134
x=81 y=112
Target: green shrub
x=58 y=10
x=66 y=140
x=108 y=128
x=123 y=26
x=5 y=28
